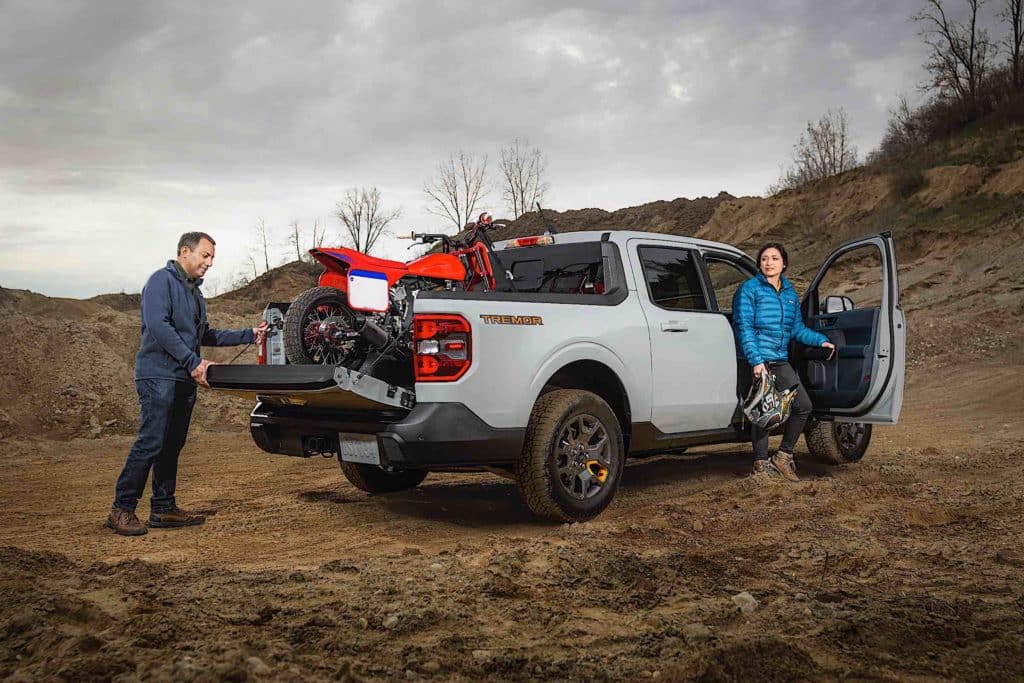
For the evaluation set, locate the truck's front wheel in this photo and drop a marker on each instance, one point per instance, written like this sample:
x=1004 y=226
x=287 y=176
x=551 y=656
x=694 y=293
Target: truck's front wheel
x=837 y=443
x=376 y=479
x=572 y=457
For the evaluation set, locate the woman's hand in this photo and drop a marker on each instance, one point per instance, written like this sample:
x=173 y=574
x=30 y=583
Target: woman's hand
x=758 y=369
x=831 y=349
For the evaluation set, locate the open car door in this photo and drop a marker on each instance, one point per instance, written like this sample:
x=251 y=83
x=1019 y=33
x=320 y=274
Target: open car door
x=854 y=301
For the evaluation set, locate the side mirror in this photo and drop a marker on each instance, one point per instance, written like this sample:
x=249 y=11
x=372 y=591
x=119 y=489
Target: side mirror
x=837 y=304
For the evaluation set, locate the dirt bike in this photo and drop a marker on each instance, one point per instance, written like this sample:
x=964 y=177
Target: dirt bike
x=361 y=312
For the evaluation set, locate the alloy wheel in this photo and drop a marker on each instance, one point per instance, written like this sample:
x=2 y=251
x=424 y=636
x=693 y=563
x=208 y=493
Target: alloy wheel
x=582 y=460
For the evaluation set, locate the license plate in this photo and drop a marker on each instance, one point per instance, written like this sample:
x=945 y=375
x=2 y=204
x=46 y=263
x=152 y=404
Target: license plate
x=358 y=448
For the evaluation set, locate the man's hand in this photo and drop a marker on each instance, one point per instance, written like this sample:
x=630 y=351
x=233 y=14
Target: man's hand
x=199 y=374
x=831 y=349
x=260 y=332
x=758 y=369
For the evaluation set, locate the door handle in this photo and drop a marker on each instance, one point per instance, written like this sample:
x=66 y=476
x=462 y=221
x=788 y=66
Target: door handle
x=674 y=327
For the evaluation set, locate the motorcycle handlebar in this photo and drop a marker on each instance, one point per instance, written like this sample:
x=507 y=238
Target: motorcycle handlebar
x=426 y=237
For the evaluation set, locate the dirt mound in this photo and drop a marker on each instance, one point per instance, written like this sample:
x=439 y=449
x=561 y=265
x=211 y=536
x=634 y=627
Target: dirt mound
x=128 y=303
x=946 y=184
x=1008 y=179
x=278 y=284
x=680 y=217
x=73 y=366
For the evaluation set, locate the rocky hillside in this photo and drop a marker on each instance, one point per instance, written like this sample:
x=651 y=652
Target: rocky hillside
x=959 y=232
x=680 y=217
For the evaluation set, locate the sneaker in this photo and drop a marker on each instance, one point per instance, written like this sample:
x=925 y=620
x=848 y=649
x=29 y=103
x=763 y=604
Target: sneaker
x=764 y=471
x=124 y=522
x=174 y=518
x=783 y=462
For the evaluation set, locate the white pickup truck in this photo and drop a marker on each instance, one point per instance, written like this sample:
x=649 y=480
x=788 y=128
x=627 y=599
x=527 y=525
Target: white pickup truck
x=615 y=345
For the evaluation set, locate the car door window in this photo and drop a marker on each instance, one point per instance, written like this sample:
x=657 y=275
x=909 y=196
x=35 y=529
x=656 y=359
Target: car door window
x=673 y=281
x=726 y=277
x=857 y=275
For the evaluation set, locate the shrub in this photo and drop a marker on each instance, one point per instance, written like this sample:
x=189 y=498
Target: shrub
x=908 y=179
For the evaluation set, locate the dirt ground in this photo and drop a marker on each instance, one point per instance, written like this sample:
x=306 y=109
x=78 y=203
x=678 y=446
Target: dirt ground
x=906 y=566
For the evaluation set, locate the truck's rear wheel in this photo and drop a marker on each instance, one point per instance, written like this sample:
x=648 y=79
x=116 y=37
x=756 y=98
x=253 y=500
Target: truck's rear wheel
x=572 y=457
x=376 y=479
x=837 y=443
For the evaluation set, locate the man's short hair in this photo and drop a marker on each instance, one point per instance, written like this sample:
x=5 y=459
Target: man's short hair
x=191 y=240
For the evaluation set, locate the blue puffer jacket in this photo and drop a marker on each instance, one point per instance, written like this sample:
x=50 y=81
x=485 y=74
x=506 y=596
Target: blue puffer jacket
x=765 y=320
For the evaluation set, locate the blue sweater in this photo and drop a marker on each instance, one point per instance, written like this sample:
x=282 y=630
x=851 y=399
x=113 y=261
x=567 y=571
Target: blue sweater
x=766 y=320
x=174 y=326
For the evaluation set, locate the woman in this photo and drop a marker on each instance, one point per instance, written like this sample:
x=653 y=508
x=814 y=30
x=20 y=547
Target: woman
x=766 y=313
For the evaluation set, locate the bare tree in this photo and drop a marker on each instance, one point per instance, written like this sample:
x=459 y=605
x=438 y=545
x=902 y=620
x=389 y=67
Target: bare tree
x=316 y=236
x=823 y=150
x=522 y=170
x=905 y=132
x=252 y=264
x=263 y=240
x=240 y=279
x=319 y=230
x=295 y=239
x=958 y=52
x=457 y=188
x=364 y=218
x=1013 y=14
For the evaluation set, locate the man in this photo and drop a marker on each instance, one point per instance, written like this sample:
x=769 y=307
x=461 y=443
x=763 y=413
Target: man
x=167 y=368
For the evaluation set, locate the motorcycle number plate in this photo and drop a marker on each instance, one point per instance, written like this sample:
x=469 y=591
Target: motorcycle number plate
x=367 y=291
x=359 y=448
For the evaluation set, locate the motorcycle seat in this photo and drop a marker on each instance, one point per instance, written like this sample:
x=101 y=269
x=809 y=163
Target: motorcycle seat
x=361 y=261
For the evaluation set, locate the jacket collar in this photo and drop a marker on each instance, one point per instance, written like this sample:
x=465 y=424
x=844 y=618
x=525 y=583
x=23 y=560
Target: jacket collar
x=785 y=284
x=177 y=271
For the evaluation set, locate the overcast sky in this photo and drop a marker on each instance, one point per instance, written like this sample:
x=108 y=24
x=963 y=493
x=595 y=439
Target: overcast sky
x=124 y=124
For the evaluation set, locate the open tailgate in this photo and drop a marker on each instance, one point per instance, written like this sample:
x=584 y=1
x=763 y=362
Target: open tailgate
x=320 y=386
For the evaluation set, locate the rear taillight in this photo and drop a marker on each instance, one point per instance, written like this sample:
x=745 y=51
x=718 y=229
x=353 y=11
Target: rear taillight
x=442 y=347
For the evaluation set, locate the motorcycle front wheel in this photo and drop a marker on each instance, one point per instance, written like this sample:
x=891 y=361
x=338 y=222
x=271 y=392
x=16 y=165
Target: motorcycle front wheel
x=320 y=329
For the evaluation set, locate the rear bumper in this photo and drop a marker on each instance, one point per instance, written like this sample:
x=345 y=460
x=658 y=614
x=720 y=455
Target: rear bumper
x=430 y=435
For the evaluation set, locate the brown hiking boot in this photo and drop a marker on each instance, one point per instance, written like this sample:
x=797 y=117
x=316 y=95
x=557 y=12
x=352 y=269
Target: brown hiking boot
x=124 y=522
x=783 y=462
x=174 y=518
x=764 y=471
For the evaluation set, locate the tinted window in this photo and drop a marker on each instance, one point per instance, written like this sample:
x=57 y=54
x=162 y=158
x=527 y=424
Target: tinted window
x=557 y=269
x=672 y=278
x=726 y=277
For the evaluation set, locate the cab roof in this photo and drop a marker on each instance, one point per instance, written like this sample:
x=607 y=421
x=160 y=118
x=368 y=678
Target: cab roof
x=622 y=236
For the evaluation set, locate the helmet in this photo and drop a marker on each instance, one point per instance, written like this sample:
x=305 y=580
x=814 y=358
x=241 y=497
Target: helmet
x=484 y=220
x=766 y=406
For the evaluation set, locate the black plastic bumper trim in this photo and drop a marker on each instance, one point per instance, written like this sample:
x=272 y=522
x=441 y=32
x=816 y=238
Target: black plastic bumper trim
x=448 y=434
x=432 y=434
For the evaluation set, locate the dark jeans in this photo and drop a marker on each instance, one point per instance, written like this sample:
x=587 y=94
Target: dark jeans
x=166 y=412
x=799 y=411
